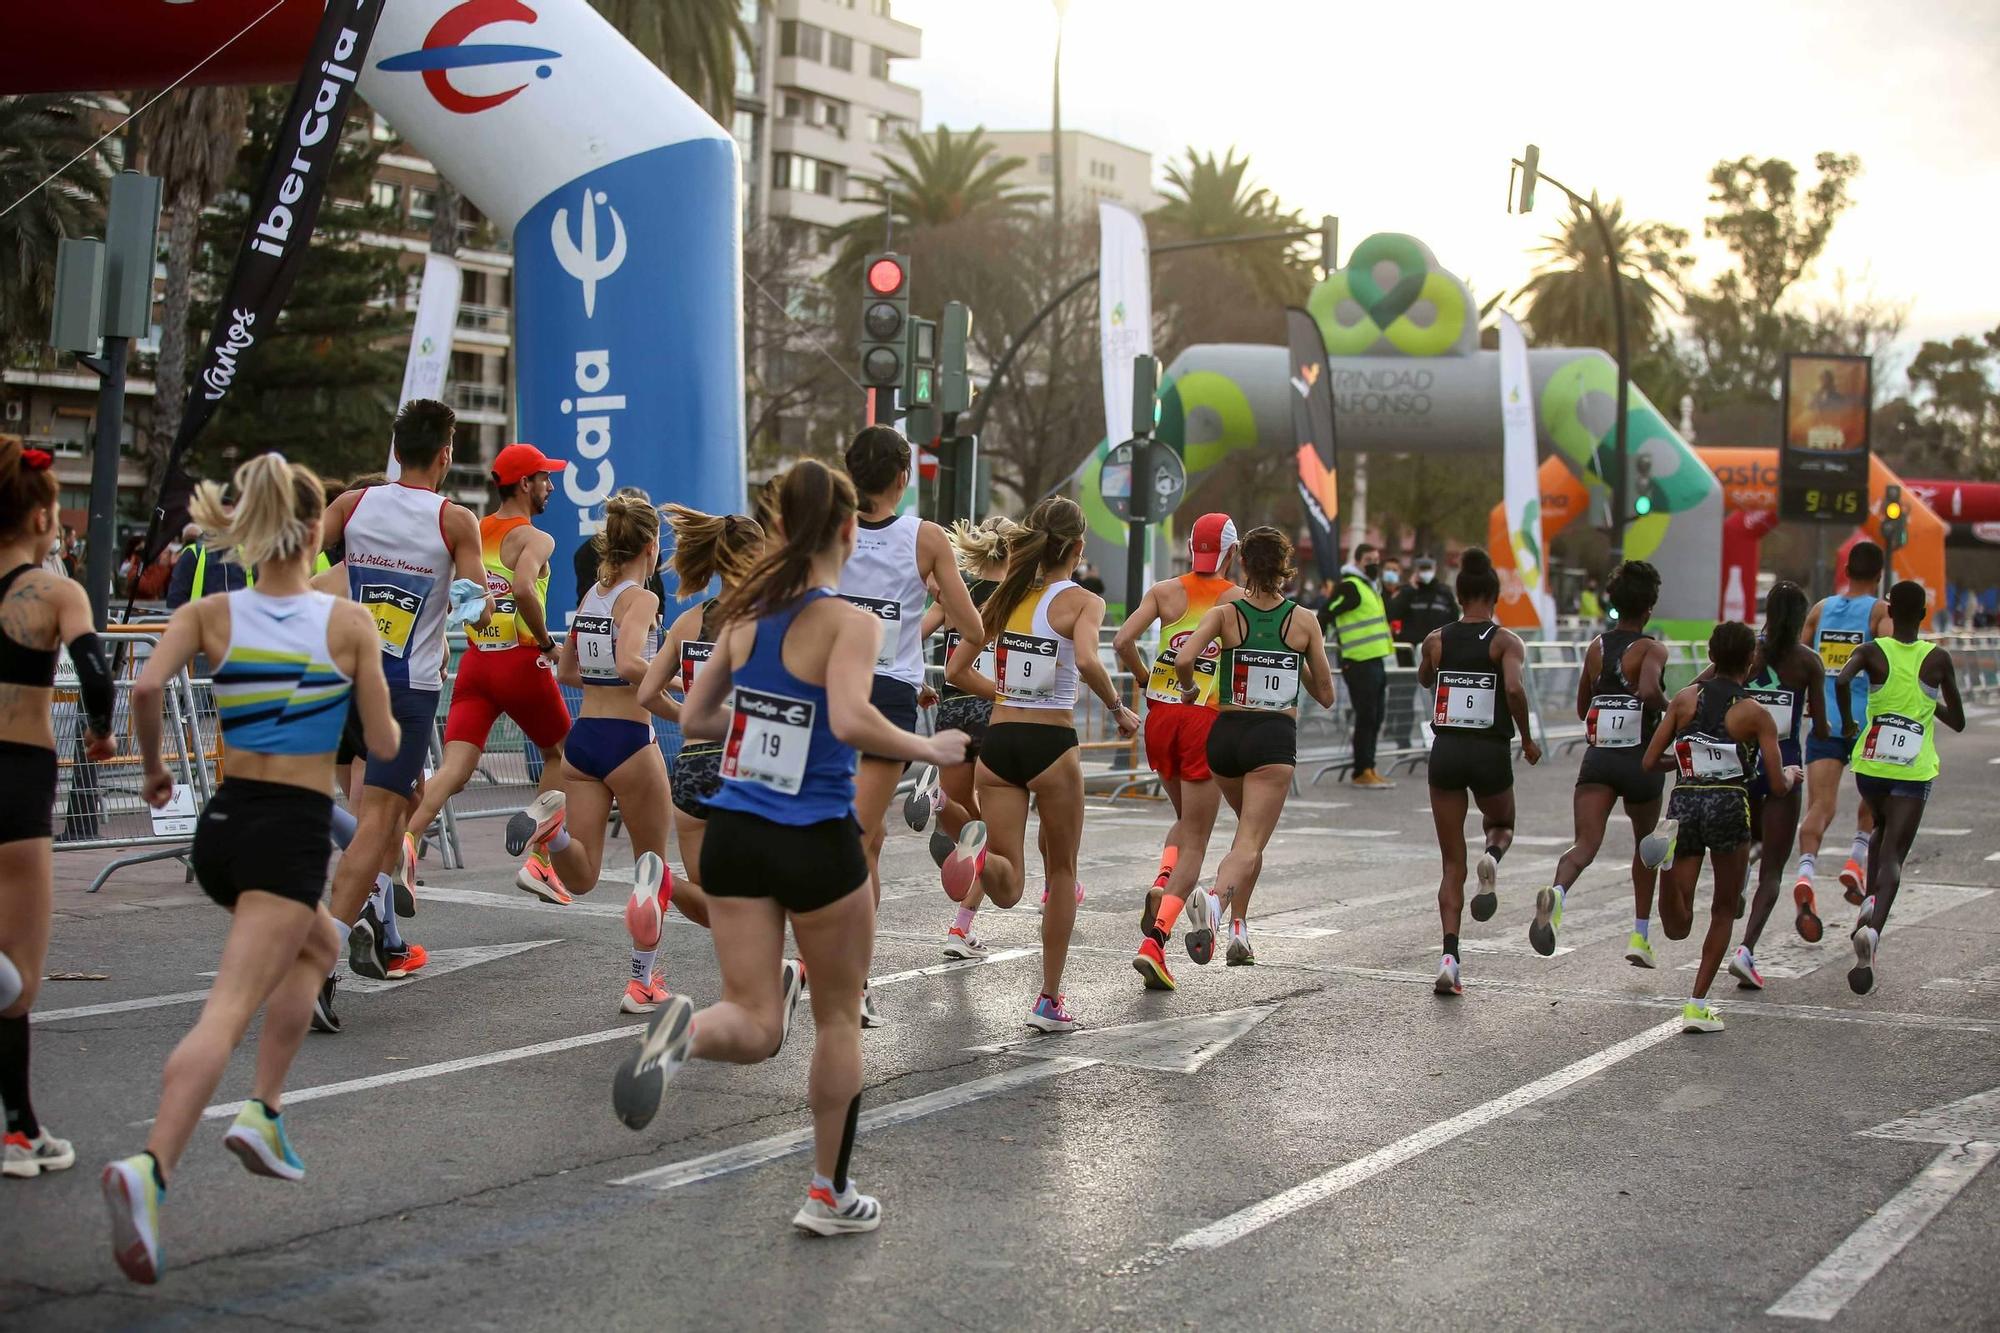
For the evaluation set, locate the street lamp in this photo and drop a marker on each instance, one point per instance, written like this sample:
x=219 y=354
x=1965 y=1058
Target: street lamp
x=1528 y=169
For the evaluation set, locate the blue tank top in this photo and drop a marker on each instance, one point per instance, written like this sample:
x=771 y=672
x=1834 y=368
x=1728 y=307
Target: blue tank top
x=1843 y=627
x=277 y=690
x=781 y=760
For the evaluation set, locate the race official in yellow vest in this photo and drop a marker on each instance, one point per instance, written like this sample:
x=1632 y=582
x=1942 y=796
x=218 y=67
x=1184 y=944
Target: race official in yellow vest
x=1361 y=632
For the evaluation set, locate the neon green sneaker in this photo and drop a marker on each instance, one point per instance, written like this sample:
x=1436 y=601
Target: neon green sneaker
x=258 y=1139
x=133 y=1193
x=1700 y=1016
x=1548 y=920
x=1639 y=951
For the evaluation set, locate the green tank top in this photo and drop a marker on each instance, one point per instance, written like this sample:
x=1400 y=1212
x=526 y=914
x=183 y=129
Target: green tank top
x=1261 y=672
x=1899 y=739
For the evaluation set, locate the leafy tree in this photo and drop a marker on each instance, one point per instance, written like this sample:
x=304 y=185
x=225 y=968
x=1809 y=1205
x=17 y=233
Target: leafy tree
x=38 y=134
x=1951 y=421
x=1569 y=301
x=1207 y=198
x=938 y=180
x=693 y=41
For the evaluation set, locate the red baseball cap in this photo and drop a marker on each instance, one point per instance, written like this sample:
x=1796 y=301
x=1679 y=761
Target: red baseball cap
x=1211 y=539
x=518 y=462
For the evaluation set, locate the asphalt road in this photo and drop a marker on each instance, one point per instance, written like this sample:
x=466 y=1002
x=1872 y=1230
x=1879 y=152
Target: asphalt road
x=1318 y=1141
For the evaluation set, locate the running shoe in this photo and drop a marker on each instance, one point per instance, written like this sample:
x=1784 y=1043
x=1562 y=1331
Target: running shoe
x=25 y=1158
x=871 y=1017
x=1808 y=921
x=259 y=1141
x=407 y=961
x=1548 y=920
x=405 y=881
x=1201 y=914
x=1487 y=901
x=642 y=1076
x=1239 y=953
x=961 y=868
x=1149 y=909
x=1369 y=780
x=324 y=1019
x=535 y=823
x=1639 y=951
x=133 y=1195
x=1743 y=966
x=537 y=875
x=926 y=798
x=792 y=979
x=961 y=944
x=825 y=1215
x=643 y=917
x=941 y=845
x=1657 y=847
x=366 y=953
x=1852 y=876
x=643 y=997
x=1052 y=1015
x=1044 y=904
x=1151 y=964
x=1861 y=977
x=1447 y=978
x=1700 y=1016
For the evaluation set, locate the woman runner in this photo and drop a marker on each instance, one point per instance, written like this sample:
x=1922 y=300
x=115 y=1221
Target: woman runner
x=1266 y=638
x=39 y=612
x=1911 y=686
x=1035 y=619
x=782 y=842
x=1470 y=663
x=286 y=658
x=1619 y=700
x=1713 y=736
x=610 y=753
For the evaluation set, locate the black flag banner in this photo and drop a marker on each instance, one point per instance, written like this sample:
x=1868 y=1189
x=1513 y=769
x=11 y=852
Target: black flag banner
x=281 y=228
x=1312 y=430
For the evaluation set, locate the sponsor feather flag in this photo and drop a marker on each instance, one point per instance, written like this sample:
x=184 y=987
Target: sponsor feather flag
x=1313 y=439
x=1523 y=500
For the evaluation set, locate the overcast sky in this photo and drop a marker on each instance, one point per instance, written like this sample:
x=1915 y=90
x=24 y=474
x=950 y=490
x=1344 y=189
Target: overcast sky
x=1403 y=117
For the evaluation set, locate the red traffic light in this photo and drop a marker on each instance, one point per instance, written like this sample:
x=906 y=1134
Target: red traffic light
x=885 y=277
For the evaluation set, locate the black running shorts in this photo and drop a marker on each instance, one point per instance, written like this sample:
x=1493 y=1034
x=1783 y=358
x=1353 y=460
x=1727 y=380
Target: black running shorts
x=801 y=867
x=1625 y=772
x=269 y=836
x=1481 y=764
x=1241 y=741
x=1713 y=819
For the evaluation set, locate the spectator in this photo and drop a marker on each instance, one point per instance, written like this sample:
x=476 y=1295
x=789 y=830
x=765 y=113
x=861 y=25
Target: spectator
x=157 y=573
x=1424 y=605
x=1589 y=605
x=1361 y=628
x=197 y=574
x=129 y=567
x=1087 y=579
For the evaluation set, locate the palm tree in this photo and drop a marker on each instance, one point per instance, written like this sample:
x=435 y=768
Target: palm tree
x=946 y=178
x=1569 y=302
x=190 y=141
x=1206 y=198
x=38 y=134
x=693 y=41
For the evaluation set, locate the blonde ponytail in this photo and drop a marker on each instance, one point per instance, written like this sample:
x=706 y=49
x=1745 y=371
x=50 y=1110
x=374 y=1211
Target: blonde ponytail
x=278 y=505
x=980 y=546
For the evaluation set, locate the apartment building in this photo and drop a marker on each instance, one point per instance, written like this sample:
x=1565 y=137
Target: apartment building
x=1094 y=168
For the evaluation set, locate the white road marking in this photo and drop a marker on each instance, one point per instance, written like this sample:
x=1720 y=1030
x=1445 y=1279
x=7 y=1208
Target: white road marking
x=1257 y=1216
x=1349 y=832
x=1784 y=956
x=118 y=1006
x=1945 y=832
x=1993 y=856
x=1170 y=1045
x=957 y=965
x=1542 y=840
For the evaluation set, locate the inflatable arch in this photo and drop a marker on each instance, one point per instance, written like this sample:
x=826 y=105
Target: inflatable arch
x=621 y=195
x=1409 y=377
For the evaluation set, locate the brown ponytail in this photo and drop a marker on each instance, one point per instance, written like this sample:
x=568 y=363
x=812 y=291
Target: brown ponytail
x=27 y=483
x=1051 y=529
x=1267 y=561
x=813 y=504
x=709 y=544
x=630 y=524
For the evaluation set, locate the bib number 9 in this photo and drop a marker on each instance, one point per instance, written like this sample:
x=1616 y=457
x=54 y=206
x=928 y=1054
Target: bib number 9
x=1025 y=666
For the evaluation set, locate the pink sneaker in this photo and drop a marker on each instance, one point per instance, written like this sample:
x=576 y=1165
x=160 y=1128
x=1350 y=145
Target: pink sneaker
x=961 y=869
x=1052 y=1015
x=645 y=910
x=538 y=876
x=643 y=998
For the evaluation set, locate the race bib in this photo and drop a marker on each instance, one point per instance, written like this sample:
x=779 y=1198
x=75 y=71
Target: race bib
x=890 y=613
x=1164 y=685
x=769 y=737
x=395 y=611
x=1613 y=722
x=1782 y=705
x=499 y=632
x=1705 y=759
x=1263 y=678
x=1893 y=739
x=983 y=663
x=1837 y=645
x=596 y=653
x=693 y=653
x=1466 y=700
x=1025 y=667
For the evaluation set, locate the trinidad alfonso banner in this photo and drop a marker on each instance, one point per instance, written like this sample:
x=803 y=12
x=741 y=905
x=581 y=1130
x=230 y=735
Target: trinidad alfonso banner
x=1312 y=436
x=281 y=227
x=1522 y=478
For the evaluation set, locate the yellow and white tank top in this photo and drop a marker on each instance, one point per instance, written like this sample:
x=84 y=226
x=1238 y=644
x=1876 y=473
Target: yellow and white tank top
x=399 y=568
x=1034 y=666
x=1203 y=592
x=505 y=629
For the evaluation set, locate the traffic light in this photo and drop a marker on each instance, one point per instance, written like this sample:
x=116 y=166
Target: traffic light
x=1531 y=165
x=1642 y=487
x=1145 y=395
x=885 y=311
x=954 y=386
x=1895 y=518
x=920 y=365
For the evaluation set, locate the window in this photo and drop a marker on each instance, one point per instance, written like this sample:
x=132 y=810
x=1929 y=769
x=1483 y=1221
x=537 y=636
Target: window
x=880 y=8
x=878 y=129
x=809 y=175
x=801 y=39
x=1044 y=165
x=387 y=194
x=833 y=115
x=795 y=106
x=423 y=204
x=878 y=62
x=840 y=51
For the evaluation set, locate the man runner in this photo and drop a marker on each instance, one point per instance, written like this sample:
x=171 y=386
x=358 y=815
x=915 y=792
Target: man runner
x=503 y=670
x=403 y=544
x=1177 y=732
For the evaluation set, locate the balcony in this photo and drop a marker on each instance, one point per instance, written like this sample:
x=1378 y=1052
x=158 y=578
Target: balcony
x=489 y=400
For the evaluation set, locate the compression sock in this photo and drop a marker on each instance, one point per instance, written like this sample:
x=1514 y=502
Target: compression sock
x=344 y=824
x=385 y=909
x=14 y=1077
x=1806 y=865
x=1495 y=852
x=1642 y=927
x=1169 y=857
x=1858 y=853
x=963 y=922
x=642 y=965
x=1170 y=912
x=840 y=1184
x=1451 y=945
x=10 y=981
x=558 y=840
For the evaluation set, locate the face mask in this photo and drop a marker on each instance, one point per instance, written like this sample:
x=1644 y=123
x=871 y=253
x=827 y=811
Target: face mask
x=1424 y=576
x=1372 y=571
x=1390 y=578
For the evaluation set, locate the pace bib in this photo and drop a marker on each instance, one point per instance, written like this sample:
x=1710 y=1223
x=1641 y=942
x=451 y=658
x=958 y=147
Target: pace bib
x=1466 y=700
x=1614 y=722
x=693 y=653
x=1705 y=759
x=1893 y=739
x=395 y=611
x=1263 y=678
x=1837 y=645
x=596 y=653
x=890 y=613
x=1164 y=686
x=769 y=738
x=1782 y=705
x=1025 y=667
x=499 y=633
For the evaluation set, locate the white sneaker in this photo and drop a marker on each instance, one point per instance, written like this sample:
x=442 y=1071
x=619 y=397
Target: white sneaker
x=792 y=976
x=823 y=1215
x=1447 y=978
x=1657 y=847
x=1200 y=937
x=1239 y=953
x=1743 y=966
x=1861 y=977
x=926 y=798
x=871 y=1017
x=25 y=1158
x=959 y=944
x=1487 y=901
